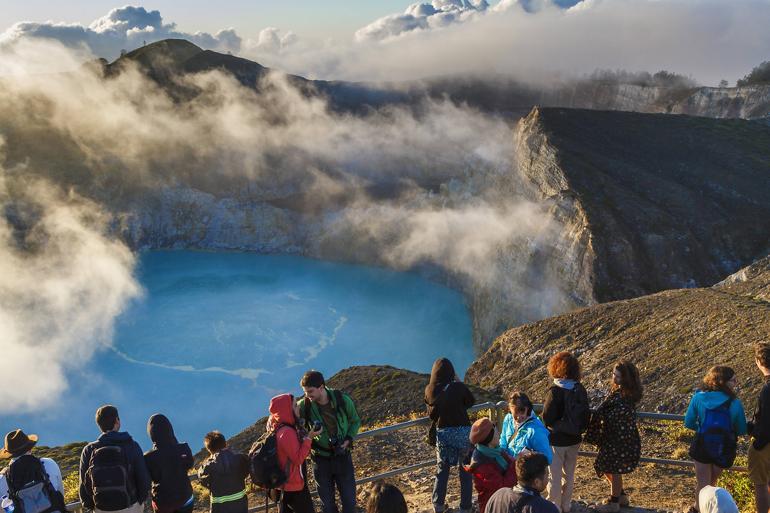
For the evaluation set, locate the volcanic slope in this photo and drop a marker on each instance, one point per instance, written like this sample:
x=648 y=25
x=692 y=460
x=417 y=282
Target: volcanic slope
x=673 y=336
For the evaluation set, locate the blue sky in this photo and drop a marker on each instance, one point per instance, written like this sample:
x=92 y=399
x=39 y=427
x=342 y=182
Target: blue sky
x=312 y=18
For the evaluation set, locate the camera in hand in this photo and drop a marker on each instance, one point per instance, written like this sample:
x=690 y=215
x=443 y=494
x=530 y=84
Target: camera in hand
x=336 y=446
x=317 y=425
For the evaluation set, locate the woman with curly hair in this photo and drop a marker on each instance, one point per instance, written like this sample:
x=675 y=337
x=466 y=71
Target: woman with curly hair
x=716 y=415
x=566 y=414
x=613 y=429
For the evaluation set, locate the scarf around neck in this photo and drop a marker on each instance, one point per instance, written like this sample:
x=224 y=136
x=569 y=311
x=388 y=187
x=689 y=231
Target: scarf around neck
x=495 y=453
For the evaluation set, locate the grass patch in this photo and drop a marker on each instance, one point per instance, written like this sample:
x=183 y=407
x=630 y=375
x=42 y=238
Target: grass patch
x=739 y=485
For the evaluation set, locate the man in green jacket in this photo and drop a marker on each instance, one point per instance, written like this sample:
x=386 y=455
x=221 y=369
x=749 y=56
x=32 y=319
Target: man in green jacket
x=330 y=452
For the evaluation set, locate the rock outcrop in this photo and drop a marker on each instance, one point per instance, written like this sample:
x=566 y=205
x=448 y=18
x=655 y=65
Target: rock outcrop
x=649 y=202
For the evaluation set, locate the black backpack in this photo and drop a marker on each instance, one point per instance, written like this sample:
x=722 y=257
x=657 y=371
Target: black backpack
x=109 y=474
x=577 y=412
x=36 y=495
x=264 y=469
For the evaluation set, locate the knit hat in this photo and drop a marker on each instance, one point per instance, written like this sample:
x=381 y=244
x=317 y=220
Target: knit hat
x=481 y=430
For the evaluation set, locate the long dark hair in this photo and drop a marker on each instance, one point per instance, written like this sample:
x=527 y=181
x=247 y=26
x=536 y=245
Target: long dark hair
x=386 y=498
x=716 y=380
x=630 y=386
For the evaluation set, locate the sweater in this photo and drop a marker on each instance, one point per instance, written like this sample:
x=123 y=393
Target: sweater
x=531 y=435
x=168 y=463
x=553 y=411
x=505 y=500
x=447 y=400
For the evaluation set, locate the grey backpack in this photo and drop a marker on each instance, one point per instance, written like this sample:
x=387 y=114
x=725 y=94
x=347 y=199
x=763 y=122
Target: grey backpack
x=35 y=496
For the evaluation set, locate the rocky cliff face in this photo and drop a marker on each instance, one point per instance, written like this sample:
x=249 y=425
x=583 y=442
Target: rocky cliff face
x=649 y=202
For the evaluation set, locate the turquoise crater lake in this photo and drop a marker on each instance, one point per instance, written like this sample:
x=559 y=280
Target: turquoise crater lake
x=217 y=334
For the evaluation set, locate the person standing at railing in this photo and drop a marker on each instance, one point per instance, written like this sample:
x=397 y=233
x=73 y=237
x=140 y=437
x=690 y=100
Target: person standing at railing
x=113 y=475
x=168 y=463
x=613 y=429
x=224 y=474
x=292 y=447
x=759 y=429
x=330 y=450
x=523 y=432
x=448 y=400
x=566 y=414
x=492 y=467
x=716 y=415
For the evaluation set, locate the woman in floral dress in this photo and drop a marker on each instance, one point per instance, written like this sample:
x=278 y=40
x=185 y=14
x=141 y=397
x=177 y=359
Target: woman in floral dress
x=613 y=429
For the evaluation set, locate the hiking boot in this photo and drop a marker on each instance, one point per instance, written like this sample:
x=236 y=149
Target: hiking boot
x=611 y=506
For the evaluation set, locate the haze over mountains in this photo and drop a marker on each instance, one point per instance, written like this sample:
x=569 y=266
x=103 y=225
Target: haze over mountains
x=173 y=146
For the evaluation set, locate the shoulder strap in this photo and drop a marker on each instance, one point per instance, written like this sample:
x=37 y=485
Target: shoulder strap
x=308 y=410
x=340 y=402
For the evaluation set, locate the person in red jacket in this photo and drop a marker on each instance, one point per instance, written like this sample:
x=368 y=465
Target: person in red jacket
x=293 y=448
x=492 y=468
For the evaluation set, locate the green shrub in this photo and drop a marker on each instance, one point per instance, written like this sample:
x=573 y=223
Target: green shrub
x=739 y=485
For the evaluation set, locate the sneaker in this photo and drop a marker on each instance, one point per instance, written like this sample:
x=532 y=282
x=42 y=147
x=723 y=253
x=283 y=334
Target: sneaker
x=608 y=507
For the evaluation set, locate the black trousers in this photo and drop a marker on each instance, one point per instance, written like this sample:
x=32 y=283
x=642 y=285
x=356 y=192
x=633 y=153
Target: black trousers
x=297 y=502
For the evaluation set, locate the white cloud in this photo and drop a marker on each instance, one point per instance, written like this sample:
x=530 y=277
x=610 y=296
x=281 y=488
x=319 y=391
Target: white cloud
x=123 y=28
x=421 y=16
x=708 y=39
x=272 y=40
x=63 y=283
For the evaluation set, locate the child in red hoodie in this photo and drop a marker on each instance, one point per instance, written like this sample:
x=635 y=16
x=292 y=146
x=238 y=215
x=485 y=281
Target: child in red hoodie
x=293 y=448
x=492 y=467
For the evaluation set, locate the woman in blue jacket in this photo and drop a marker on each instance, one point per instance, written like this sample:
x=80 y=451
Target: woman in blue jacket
x=523 y=430
x=718 y=419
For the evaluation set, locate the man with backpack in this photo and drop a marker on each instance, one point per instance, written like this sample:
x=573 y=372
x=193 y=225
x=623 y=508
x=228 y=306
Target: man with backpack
x=336 y=414
x=113 y=475
x=33 y=485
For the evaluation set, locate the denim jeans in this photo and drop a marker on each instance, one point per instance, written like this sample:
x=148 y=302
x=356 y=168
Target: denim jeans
x=441 y=482
x=331 y=473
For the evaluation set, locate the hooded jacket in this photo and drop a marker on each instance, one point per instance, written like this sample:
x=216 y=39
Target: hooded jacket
x=488 y=476
x=701 y=401
x=224 y=474
x=448 y=400
x=292 y=451
x=137 y=467
x=531 y=434
x=168 y=463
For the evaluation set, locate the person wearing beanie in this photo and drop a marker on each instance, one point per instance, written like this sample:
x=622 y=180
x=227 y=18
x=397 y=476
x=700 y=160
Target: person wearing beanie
x=491 y=467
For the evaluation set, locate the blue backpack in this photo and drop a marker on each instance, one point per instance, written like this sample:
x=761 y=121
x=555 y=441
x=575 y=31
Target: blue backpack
x=715 y=441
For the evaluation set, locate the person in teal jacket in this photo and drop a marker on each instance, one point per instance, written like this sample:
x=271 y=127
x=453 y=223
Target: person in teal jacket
x=523 y=430
x=717 y=400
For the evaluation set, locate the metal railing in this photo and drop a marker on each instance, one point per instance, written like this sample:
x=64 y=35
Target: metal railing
x=496 y=408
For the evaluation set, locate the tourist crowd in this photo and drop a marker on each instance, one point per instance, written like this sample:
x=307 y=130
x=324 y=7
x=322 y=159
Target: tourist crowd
x=525 y=466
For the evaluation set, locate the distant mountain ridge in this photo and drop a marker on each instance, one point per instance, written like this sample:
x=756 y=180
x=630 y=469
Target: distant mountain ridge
x=500 y=95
